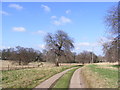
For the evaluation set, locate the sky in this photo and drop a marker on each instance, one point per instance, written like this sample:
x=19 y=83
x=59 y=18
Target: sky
x=27 y=23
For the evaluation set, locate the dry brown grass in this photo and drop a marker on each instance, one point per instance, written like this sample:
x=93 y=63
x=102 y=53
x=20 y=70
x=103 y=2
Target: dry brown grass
x=10 y=65
x=106 y=63
x=64 y=64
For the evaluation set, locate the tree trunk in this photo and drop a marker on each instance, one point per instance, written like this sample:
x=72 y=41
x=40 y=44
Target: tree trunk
x=57 y=61
x=20 y=62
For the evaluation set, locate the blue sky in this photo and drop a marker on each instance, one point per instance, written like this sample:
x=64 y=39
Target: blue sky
x=26 y=24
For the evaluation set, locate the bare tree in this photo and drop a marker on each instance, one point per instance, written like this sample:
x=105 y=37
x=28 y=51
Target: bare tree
x=0 y=54
x=59 y=43
x=112 y=20
x=111 y=51
x=69 y=57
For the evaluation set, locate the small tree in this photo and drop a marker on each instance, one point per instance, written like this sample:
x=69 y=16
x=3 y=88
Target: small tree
x=59 y=43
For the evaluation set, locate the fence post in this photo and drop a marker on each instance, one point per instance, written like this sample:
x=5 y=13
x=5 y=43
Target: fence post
x=22 y=66
x=8 y=67
x=15 y=67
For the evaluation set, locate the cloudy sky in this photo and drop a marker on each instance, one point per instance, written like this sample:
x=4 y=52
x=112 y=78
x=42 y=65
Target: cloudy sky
x=26 y=24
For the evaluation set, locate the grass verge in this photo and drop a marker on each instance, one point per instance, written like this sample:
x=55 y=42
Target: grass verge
x=100 y=77
x=29 y=78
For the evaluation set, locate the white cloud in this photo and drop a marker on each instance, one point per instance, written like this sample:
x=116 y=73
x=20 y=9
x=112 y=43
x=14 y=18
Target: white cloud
x=4 y=13
x=65 y=20
x=84 y=44
x=62 y=21
x=41 y=46
x=55 y=22
x=53 y=17
x=105 y=40
x=90 y=44
x=19 y=29
x=46 y=8
x=68 y=11
x=41 y=32
x=16 y=6
x=4 y=47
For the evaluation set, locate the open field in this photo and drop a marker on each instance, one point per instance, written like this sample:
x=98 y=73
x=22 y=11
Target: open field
x=105 y=76
x=29 y=78
x=10 y=65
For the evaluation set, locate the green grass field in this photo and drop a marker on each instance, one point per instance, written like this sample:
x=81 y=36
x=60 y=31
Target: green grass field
x=29 y=78
x=103 y=77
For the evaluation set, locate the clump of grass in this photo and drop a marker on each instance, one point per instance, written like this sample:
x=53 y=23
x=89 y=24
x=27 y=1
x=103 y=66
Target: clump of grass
x=29 y=78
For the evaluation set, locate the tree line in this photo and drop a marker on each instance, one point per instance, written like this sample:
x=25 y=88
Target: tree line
x=23 y=56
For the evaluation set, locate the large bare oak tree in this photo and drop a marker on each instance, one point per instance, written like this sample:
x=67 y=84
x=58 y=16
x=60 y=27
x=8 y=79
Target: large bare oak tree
x=59 y=43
